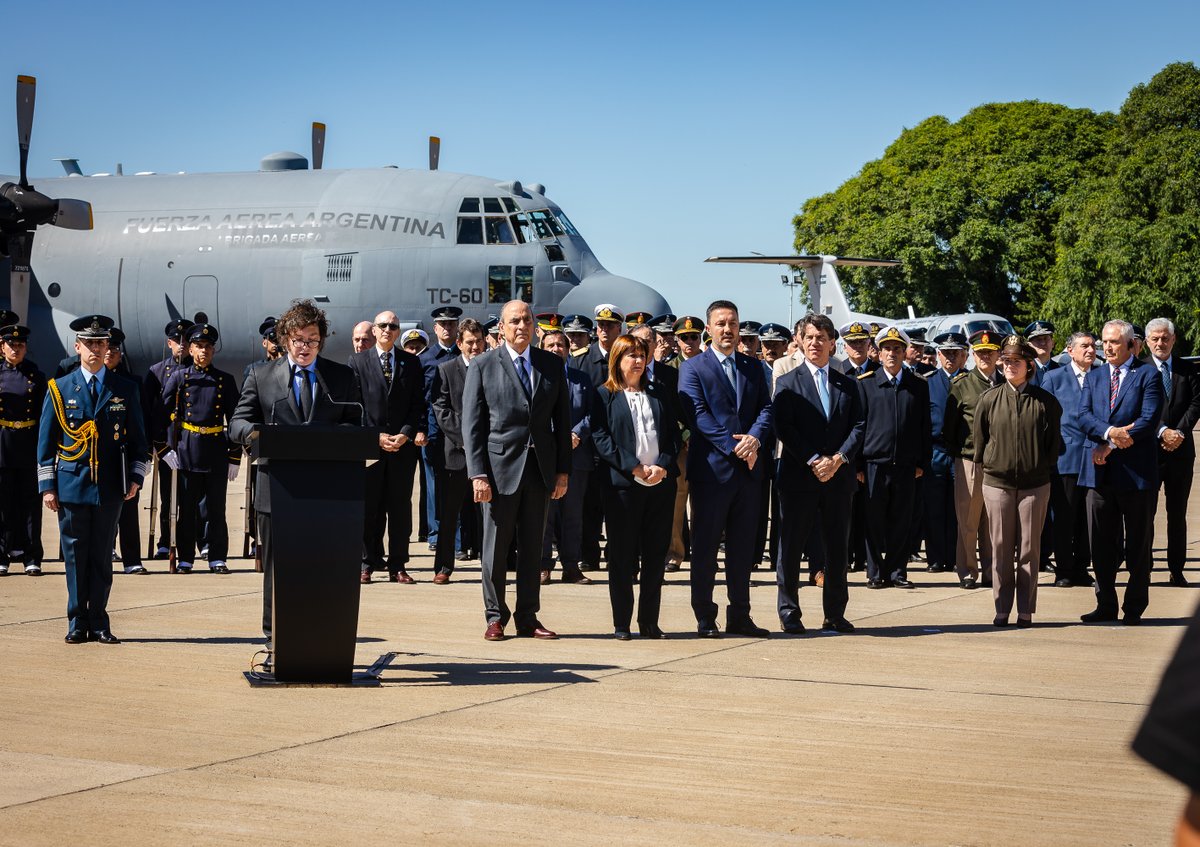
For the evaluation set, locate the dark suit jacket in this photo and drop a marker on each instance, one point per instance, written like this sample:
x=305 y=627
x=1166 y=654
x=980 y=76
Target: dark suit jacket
x=398 y=408
x=267 y=398
x=499 y=420
x=804 y=432
x=594 y=363
x=448 y=385
x=898 y=420
x=581 y=395
x=1181 y=410
x=431 y=357
x=714 y=414
x=616 y=441
x=1139 y=402
x=1074 y=449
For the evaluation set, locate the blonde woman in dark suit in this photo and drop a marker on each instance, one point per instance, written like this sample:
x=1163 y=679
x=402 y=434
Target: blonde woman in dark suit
x=636 y=436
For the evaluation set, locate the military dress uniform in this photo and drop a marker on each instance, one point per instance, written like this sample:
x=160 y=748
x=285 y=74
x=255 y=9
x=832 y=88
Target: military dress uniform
x=194 y=411
x=22 y=390
x=152 y=385
x=91 y=448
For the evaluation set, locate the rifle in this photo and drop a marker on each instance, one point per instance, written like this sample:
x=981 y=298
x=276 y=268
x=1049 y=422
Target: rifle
x=151 y=549
x=173 y=444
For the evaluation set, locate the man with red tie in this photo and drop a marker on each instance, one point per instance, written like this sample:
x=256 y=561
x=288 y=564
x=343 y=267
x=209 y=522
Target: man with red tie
x=1120 y=413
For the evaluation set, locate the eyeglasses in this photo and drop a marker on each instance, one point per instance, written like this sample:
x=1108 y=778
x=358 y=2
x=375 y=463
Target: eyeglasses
x=388 y=326
x=303 y=342
x=688 y=336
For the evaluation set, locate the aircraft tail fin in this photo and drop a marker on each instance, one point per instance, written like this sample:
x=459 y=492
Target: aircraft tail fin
x=71 y=166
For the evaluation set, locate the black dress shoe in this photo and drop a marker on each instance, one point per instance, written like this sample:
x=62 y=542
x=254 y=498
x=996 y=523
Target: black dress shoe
x=1099 y=616
x=651 y=632
x=1178 y=580
x=105 y=636
x=622 y=635
x=968 y=583
x=794 y=628
x=1132 y=620
x=1063 y=583
x=747 y=628
x=877 y=583
x=901 y=582
x=708 y=630
x=1000 y=622
x=75 y=637
x=1022 y=623
x=841 y=625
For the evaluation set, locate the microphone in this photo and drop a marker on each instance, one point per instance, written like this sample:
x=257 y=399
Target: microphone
x=274 y=406
x=362 y=411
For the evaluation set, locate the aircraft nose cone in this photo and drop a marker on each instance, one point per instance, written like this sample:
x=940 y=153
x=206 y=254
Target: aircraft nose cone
x=604 y=287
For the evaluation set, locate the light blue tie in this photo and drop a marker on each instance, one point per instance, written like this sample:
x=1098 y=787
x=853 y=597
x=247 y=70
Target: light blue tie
x=823 y=390
x=1166 y=375
x=729 y=372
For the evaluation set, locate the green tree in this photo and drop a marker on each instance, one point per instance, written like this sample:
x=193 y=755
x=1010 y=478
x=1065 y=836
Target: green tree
x=1129 y=237
x=969 y=208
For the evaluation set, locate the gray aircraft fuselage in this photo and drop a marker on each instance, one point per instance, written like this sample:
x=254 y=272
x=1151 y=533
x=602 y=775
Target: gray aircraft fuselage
x=241 y=246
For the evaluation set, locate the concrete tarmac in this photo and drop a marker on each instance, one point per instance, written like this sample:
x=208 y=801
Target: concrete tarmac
x=926 y=727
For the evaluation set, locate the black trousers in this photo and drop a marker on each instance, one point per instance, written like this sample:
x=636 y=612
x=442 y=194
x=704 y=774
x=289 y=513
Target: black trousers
x=87 y=533
x=858 y=526
x=1176 y=473
x=564 y=524
x=200 y=511
x=890 y=496
x=195 y=486
x=520 y=516
x=454 y=492
x=731 y=508
x=20 y=515
x=388 y=503
x=941 y=524
x=639 y=530
x=1111 y=511
x=593 y=520
x=263 y=525
x=760 y=534
x=129 y=533
x=817 y=509
x=1072 y=553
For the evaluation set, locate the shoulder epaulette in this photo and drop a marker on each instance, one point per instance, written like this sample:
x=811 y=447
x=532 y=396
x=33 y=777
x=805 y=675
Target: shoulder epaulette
x=582 y=351
x=866 y=374
x=959 y=377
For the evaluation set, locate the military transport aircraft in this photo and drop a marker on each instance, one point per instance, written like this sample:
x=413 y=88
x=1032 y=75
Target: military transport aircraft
x=237 y=247
x=825 y=296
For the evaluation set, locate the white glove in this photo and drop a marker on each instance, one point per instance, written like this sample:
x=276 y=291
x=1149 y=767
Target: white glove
x=171 y=460
x=233 y=471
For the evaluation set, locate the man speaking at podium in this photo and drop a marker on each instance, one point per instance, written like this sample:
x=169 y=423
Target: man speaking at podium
x=297 y=388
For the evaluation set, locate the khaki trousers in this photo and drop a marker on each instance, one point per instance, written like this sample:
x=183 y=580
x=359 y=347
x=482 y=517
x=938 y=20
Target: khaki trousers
x=676 y=549
x=1015 y=519
x=972 y=523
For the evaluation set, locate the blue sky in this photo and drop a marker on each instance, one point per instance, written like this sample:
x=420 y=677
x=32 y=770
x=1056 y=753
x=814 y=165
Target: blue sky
x=668 y=132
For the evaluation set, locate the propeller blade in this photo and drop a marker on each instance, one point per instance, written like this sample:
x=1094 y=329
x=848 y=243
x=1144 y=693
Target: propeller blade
x=73 y=214
x=435 y=151
x=318 y=145
x=26 y=89
x=20 y=244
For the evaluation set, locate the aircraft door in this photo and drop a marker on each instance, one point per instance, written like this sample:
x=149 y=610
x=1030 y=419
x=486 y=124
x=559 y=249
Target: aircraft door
x=200 y=303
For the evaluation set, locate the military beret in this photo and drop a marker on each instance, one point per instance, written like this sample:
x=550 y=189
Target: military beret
x=92 y=326
x=202 y=332
x=1039 y=328
x=609 y=312
x=891 y=334
x=577 y=323
x=446 y=313
x=774 y=332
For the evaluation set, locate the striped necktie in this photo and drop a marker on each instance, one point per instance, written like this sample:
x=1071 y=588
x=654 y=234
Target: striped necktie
x=1113 y=387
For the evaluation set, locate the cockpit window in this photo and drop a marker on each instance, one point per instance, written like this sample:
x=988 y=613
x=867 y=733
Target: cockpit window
x=491 y=205
x=499 y=231
x=509 y=204
x=470 y=231
x=566 y=223
x=469 y=205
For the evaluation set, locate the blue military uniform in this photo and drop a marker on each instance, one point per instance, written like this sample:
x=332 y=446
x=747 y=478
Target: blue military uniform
x=156 y=375
x=22 y=389
x=191 y=418
x=941 y=525
x=431 y=454
x=91 y=448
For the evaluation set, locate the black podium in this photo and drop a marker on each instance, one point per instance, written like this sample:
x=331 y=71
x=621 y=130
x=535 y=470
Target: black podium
x=317 y=477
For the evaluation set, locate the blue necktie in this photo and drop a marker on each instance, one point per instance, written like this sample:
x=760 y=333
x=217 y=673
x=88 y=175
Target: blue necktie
x=729 y=372
x=823 y=390
x=1166 y=375
x=304 y=392
x=524 y=375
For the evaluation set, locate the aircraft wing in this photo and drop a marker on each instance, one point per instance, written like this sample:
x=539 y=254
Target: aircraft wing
x=805 y=261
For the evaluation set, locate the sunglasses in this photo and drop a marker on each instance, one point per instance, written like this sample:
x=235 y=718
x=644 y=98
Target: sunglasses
x=392 y=327
x=688 y=336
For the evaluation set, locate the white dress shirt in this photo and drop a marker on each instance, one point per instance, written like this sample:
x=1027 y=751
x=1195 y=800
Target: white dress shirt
x=644 y=432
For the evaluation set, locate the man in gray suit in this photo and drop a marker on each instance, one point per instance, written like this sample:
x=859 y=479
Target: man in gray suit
x=298 y=387
x=517 y=437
